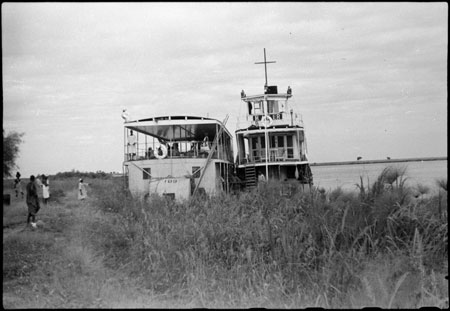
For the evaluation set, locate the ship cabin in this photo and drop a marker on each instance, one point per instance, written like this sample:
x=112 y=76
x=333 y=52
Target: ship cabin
x=177 y=156
x=269 y=122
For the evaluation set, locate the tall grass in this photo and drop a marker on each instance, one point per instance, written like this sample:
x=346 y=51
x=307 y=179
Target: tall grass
x=379 y=247
x=262 y=249
x=266 y=248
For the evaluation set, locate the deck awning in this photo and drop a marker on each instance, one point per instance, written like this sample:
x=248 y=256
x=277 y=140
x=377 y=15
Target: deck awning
x=178 y=128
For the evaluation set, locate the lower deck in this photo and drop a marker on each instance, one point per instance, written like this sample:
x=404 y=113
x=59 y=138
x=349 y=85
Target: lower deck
x=296 y=172
x=177 y=178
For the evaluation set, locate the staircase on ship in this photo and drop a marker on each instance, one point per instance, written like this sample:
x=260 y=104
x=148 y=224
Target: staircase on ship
x=250 y=177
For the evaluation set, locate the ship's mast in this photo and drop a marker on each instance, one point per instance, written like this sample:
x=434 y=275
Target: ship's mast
x=265 y=65
x=266 y=136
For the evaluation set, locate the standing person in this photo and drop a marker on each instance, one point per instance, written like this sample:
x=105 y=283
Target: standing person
x=261 y=181
x=176 y=151
x=81 y=190
x=261 y=177
x=194 y=147
x=38 y=180
x=131 y=146
x=206 y=142
x=45 y=189
x=18 y=185
x=150 y=153
x=32 y=201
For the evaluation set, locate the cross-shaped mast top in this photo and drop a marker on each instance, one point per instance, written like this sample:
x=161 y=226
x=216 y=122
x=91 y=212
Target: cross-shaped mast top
x=265 y=65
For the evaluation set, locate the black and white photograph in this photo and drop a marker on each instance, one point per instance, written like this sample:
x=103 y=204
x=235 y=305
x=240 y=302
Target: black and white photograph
x=225 y=155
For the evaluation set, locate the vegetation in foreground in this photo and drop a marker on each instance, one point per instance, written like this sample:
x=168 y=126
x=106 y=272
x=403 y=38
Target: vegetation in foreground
x=379 y=247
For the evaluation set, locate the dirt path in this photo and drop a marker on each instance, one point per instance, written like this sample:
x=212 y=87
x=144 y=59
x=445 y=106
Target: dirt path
x=55 y=266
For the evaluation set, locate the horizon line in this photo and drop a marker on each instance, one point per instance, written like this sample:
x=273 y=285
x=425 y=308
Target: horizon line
x=379 y=161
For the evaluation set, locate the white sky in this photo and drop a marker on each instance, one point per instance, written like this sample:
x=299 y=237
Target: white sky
x=370 y=79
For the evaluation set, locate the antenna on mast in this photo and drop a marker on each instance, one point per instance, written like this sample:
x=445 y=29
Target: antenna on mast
x=265 y=65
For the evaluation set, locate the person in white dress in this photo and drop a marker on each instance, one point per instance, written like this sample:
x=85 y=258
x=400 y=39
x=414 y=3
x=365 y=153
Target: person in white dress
x=45 y=189
x=261 y=177
x=131 y=146
x=82 y=194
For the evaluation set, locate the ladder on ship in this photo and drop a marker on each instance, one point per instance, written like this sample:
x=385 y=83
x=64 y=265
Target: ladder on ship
x=211 y=152
x=250 y=177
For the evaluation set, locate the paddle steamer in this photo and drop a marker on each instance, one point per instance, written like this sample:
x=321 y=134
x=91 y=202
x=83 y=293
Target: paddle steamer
x=271 y=141
x=177 y=156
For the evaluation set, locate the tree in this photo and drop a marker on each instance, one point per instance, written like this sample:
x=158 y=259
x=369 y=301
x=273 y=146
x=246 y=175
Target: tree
x=11 y=144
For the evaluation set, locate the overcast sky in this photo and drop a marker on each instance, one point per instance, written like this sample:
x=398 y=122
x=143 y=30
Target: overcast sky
x=369 y=79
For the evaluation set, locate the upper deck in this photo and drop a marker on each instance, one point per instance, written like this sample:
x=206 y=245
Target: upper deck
x=179 y=136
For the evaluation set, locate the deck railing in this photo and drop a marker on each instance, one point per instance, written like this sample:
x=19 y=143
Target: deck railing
x=143 y=153
x=277 y=119
x=280 y=154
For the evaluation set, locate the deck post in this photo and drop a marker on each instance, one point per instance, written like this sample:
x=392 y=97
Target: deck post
x=266 y=136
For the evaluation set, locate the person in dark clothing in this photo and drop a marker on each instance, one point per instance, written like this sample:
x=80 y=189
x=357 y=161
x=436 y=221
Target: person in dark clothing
x=32 y=201
x=18 y=185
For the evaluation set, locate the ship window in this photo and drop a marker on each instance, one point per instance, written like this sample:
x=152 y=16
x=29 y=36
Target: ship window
x=258 y=108
x=170 y=196
x=196 y=171
x=289 y=140
x=254 y=142
x=282 y=106
x=263 y=142
x=289 y=145
x=281 y=141
x=272 y=106
x=146 y=173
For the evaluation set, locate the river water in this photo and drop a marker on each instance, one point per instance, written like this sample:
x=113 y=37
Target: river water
x=346 y=176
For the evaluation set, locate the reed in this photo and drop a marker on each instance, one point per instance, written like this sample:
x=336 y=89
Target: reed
x=270 y=245
x=442 y=184
x=266 y=248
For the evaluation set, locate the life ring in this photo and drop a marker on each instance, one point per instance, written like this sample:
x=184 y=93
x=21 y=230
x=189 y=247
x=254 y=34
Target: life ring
x=266 y=121
x=160 y=152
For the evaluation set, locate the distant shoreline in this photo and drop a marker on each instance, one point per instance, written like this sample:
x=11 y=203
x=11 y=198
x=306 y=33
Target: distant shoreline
x=379 y=161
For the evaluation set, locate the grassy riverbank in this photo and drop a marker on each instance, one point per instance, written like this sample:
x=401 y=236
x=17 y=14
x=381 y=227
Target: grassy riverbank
x=381 y=247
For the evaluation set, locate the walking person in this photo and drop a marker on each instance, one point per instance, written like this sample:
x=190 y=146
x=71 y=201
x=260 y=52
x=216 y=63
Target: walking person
x=32 y=202
x=81 y=190
x=45 y=189
x=18 y=185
